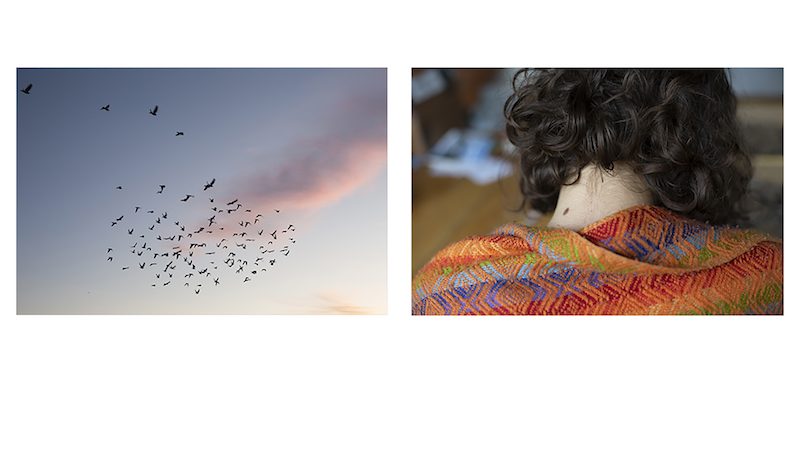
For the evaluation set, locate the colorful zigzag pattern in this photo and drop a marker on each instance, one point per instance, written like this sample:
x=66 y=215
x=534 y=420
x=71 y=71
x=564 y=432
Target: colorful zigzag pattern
x=643 y=260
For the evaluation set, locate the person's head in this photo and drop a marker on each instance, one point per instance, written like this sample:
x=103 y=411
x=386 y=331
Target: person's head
x=675 y=127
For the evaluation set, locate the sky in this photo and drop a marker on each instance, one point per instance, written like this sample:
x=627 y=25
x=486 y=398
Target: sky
x=310 y=143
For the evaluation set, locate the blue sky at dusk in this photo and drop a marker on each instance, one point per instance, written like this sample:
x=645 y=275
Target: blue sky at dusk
x=308 y=142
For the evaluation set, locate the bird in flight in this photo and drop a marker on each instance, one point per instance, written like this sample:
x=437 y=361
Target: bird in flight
x=137 y=209
x=119 y=187
x=27 y=90
x=210 y=185
x=154 y=111
x=110 y=258
x=109 y=250
x=232 y=202
x=106 y=108
x=179 y=133
x=130 y=231
x=188 y=196
x=120 y=218
x=161 y=186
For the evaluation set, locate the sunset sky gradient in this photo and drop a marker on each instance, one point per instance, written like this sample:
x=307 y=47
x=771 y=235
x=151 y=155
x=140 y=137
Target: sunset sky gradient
x=309 y=142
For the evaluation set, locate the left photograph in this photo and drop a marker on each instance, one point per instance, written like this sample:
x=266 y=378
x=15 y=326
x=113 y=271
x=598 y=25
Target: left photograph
x=201 y=191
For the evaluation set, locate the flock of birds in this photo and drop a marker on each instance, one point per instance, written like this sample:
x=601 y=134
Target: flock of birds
x=235 y=240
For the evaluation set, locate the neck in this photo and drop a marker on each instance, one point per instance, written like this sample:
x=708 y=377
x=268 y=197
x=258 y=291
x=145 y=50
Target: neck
x=599 y=194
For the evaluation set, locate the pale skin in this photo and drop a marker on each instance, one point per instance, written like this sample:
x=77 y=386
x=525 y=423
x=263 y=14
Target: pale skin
x=598 y=194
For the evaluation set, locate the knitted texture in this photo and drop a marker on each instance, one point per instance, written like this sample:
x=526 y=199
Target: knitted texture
x=643 y=260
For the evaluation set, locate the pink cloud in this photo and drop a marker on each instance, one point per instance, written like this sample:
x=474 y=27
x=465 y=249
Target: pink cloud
x=319 y=172
x=343 y=149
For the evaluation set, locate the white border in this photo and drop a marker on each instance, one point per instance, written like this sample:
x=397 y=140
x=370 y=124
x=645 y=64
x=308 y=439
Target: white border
x=396 y=381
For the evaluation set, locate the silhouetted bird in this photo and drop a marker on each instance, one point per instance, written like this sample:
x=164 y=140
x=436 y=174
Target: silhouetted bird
x=188 y=196
x=179 y=133
x=162 y=188
x=197 y=291
x=151 y=227
x=246 y=279
x=106 y=108
x=130 y=231
x=154 y=111
x=109 y=250
x=277 y=211
x=125 y=268
x=164 y=215
x=232 y=202
x=137 y=209
x=110 y=258
x=120 y=218
x=119 y=187
x=141 y=266
x=216 y=281
x=210 y=185
x=27 y=90
x=211 y=220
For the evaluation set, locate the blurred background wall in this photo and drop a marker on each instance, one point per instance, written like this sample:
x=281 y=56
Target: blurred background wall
x=465 y=178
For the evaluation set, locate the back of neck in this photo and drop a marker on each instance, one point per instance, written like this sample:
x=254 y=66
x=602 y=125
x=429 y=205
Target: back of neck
x=598 y=194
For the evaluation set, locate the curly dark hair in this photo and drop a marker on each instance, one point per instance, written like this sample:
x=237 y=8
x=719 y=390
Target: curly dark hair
x=676 y=128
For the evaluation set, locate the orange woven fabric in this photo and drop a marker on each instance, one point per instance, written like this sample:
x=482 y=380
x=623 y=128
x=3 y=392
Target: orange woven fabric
x=643 y=260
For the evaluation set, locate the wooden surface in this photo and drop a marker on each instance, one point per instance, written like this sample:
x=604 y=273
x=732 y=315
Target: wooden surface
x=448 y=209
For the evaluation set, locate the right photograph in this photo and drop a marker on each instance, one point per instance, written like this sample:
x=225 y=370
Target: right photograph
x=582 y=191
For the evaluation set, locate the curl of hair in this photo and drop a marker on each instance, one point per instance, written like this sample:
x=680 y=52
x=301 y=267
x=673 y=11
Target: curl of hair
x=676 y=128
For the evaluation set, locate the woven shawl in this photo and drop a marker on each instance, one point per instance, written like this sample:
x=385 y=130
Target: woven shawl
x=643 y=260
